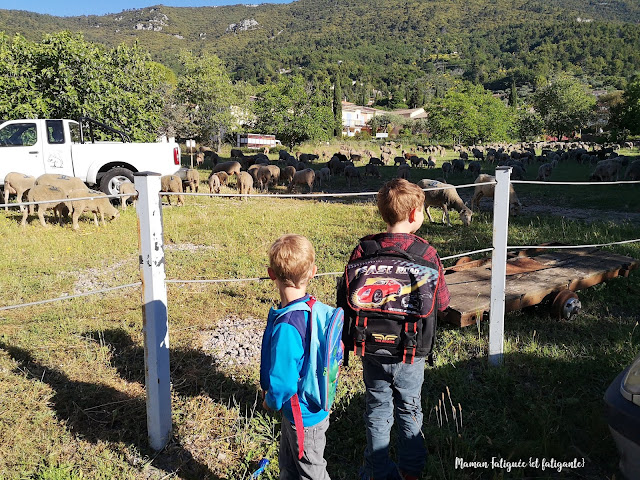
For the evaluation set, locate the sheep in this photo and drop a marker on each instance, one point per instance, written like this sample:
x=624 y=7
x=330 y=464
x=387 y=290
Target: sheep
x=322 y=175
x=474 y=168
x=214 y=183
x=446 y=169
x=304 y=177
x=63 y=182
x=173 y=184
x=253 y=171
x=199 y=158
x=230 y=168
x=326 y=172
x=127 y=188
x=244 y=183
x=190 y=179
x=236 y=153
x=431 y=162
x=371 y=169
x=517 y=173
x=633 y=172
x=100 y=204
x=444 y=199
x=41 y=193
x=399 y=161
x=458 y=165
x=488 y=191
x=223 y=177
x=352 y=172
x=288 y=173
x=264 y=177
x=403 y=171
x=606 y=171
x=544 y=171
x=375 y=161
x=17 y=184
x=416 y=161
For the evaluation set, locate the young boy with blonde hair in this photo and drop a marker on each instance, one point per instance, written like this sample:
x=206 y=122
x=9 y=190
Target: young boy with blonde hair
x=285 y=348
x=392 y=290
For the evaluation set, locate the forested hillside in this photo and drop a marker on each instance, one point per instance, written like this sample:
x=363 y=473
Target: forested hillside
x=414 y=47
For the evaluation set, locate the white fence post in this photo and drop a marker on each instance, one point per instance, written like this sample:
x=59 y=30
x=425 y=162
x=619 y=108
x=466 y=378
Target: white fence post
x=154 y=310
x=499 y=264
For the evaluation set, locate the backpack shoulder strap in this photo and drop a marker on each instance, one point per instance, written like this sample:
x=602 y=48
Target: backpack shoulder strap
x=418 y=248
x=369 y=247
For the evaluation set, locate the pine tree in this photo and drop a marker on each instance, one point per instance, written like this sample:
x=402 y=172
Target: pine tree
x=337 y=106
x=513 y=97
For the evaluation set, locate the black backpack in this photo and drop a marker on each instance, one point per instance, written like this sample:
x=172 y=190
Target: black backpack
x=390 y=303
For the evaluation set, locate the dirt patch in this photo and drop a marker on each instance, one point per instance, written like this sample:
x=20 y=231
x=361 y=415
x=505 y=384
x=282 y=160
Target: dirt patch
x=588 y=215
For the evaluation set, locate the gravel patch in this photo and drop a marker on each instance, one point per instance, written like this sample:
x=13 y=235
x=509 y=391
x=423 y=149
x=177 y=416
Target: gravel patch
x=235 y=342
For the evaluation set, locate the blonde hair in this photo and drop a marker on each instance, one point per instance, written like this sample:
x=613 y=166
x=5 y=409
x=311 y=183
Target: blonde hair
x=397 y=198
x=291 y=257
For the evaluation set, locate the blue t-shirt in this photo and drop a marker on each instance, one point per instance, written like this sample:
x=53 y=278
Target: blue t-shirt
x=281 y=365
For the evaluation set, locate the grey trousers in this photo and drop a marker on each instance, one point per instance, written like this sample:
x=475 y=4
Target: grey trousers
x=312 y=466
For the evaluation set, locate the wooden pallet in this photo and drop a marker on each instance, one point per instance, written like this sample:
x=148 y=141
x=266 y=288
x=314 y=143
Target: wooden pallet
x=531 y=278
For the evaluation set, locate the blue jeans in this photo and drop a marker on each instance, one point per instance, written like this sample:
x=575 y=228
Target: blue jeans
x=393 y=390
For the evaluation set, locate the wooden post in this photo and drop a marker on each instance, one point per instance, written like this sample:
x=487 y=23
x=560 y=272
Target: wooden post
x=499 y=265
x=154 y=310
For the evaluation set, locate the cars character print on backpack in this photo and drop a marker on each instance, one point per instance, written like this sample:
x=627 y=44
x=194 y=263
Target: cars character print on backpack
x=392 y=285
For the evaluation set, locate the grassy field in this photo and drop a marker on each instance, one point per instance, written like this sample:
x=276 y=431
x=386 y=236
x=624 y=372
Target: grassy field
x=72 y=399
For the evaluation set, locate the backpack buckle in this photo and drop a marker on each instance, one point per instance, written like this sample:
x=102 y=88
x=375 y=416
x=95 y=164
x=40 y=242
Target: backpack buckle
x=410 y=340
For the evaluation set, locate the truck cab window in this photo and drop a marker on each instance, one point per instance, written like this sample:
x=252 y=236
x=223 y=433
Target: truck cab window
x=19 y=135
x=55 y=131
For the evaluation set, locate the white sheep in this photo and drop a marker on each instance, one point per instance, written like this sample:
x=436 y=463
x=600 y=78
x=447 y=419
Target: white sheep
x=50 y=198
x=214 y=183
x=244 y=183
x=190 y=179
x=444 y=199
x=17 y=184
x=99 y=204
x=127 y=188
x=172 y=184
x=488 y=191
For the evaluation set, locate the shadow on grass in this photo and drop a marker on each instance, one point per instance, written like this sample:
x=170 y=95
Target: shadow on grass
x=96 y=412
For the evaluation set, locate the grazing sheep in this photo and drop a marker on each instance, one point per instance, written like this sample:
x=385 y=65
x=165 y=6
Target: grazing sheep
x=63 y=182
x=403 y=171
x=458 y=165
x=244 y=183
x=172 y=184
x=371 y=169
x=336 y=165
x=375 y=161
x=444 y=199
x=633 y=172
x=288 y=173
x=544 y=171
x=199 y=158
x=322 y=175
x=230 y=168
x=304 y=177
x=283 y=155
x=517 y=173
x=474 y=168
x=446 y=169
x=100 y=204
x=326 y=172
x=127 y=188
x=42 y=193
x=190 y=179
x=17 y=184
x=399 y=161
x=253 y=171
x=351 y=172
x=264 y=177
x=431 y=162
x=214 y=183
x=223 y=177
x=416 y=161
x=606 y=171
x=236 y=153
x=488 y=191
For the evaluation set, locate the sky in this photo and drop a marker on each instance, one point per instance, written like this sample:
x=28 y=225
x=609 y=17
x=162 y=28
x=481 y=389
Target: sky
x=72 y=8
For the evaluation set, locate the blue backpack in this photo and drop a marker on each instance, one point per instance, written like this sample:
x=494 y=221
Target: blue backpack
x=321 y=369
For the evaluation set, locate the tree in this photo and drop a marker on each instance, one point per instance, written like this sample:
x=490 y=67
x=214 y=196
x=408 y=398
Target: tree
x=207 y=94
x=564 y=105
x=294 y=111
x=625 y=114
x=467 y=114
x=529 y=125
x=513 y=95
x=337 y=105
x=66 y=77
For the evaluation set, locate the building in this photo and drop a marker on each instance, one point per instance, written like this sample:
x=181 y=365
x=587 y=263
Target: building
x=412 y=113
x=355 y=118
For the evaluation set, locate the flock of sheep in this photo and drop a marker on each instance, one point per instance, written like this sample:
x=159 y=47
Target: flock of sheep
x=258 y=172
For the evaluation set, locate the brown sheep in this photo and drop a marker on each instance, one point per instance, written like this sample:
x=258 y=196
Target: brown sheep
x=352 y=172
x=488 y=191
x=288 y=173
x=41 y=193
x=244 y=183
x=100 y=204
x=403 y=171
x=223 y=177
x=214 y=183
x=230 y=168
x=190 y=179
x=304 y=177
x=173 y=184
x=129 y=189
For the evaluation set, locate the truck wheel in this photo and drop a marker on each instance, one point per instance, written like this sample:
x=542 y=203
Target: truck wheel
x=565 y=305
x=112 y=179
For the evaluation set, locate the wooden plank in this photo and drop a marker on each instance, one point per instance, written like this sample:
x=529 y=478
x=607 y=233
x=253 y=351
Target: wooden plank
x=531 y=280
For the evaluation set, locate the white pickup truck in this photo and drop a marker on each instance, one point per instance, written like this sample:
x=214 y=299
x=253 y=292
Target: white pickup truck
x=68 y=147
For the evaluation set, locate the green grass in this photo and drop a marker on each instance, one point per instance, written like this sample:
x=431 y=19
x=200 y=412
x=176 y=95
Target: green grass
x=72 y=373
